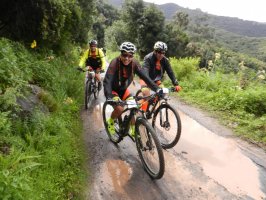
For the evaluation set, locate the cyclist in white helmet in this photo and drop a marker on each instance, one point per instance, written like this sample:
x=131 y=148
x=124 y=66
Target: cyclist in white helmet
x=155 y=64
x=119 y=76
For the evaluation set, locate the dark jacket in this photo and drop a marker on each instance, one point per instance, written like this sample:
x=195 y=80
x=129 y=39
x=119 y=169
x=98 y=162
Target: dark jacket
x=118 y=76
x=149 y=65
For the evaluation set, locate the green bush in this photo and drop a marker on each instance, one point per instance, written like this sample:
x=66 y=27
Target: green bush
x=244 y=107
x=255 y=101
x=40 y=154
x=5 y=124
x=184 y=68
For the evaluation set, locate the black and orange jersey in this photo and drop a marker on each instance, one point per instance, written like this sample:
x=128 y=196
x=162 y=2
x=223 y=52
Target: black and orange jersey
x=156 y=69
x=118 y=76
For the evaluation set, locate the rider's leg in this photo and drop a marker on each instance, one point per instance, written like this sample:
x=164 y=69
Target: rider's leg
x=146 y=92
x=115 y=114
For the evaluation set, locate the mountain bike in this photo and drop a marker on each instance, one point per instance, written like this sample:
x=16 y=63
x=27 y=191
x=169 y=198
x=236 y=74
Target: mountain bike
x=147 y=143
x=91 y=86
x=165 y=119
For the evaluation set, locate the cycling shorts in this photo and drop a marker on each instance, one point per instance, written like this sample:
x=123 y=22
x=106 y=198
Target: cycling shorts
x=122 y=94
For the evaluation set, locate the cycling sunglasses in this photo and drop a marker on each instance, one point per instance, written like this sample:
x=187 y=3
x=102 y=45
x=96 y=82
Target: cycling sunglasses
x=125 y=55
x=161 y=52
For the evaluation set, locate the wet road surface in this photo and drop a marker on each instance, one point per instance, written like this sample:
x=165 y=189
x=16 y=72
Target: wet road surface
x=206 y=163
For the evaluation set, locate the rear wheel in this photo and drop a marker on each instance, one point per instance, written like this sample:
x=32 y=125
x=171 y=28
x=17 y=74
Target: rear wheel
x=88 y=94
x=167 y=124
x=96 y=89
x=107 y=111
x=149 y=149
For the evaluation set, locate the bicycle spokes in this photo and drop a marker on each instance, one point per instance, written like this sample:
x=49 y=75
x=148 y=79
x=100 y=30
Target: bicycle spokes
x=167 y=124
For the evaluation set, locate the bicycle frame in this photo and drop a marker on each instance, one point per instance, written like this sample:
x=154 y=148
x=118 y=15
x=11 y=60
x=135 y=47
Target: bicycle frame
x=154 y=100
x=133 y=109
x=147 y=142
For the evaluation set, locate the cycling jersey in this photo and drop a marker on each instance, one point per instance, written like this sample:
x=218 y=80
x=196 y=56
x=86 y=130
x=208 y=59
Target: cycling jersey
x=118 y=77
x=94 y=59
x=156 y=69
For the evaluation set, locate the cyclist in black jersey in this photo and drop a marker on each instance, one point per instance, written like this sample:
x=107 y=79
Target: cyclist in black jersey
x=119 y=76
x=155 y=65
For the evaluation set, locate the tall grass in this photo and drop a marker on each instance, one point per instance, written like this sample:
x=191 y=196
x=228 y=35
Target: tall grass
x=242 y=109
x=41 y=152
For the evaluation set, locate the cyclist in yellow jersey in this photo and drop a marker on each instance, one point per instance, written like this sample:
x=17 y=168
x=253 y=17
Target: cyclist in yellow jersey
x=94 y=59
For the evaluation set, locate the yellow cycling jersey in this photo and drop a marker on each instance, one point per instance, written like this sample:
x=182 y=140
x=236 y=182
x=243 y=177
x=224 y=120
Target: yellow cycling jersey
x=94 y=59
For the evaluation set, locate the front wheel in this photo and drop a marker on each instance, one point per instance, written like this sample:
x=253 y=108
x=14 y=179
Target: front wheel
x=167 y=124
x=106 y=112
x=149 y=149
x=88 y=94
x=96 y=89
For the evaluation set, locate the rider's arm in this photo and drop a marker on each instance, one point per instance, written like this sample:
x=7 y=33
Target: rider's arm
x=142 y=74
x=109 y=78
x=145 y=68
x=147 y=64
x=102 y=56
x=84 y=58
x=170 y=72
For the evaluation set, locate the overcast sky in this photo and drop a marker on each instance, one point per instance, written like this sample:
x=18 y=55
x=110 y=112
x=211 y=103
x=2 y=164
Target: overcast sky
x=253 y=10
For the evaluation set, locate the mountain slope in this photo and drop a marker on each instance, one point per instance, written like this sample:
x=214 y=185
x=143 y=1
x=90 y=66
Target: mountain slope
x=230 y=24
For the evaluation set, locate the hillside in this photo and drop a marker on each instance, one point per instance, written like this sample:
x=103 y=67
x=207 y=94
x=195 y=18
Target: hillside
x=230 y=24
x=247 y=37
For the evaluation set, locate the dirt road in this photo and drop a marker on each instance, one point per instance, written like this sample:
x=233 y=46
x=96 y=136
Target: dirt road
x=207 y=163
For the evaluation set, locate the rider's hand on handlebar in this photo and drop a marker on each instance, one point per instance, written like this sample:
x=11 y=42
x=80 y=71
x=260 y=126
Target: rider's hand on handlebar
x=178 y=88
x=159 y=91
x=116 y=98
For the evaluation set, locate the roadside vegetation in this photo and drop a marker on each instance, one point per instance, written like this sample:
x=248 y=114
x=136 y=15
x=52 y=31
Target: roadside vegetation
x=41 y=150
x=237 y=99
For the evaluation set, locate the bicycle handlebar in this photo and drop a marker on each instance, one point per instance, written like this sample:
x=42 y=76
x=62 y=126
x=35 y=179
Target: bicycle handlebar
x=88 y=70
x=130 y=103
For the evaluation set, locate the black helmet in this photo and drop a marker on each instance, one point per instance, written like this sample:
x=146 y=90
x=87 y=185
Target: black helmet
x=93 y=42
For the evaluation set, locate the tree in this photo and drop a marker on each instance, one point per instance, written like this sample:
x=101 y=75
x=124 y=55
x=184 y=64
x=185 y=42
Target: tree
x=48 y=22
x=144 y=25
x=132 y=13
x=150 y=29
x=107 y=14
x=115 y=35
x=175 y=35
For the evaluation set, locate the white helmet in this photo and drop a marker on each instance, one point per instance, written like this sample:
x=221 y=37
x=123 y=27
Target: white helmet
x=160 y=46
x=128 y=47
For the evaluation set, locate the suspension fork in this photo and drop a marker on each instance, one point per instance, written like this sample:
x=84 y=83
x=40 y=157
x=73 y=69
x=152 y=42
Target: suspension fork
x=161 y=117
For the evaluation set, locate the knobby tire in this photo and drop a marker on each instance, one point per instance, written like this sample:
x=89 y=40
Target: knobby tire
x=115 y=138
x=88 y=94
x=167 y=138
x=145 y=139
